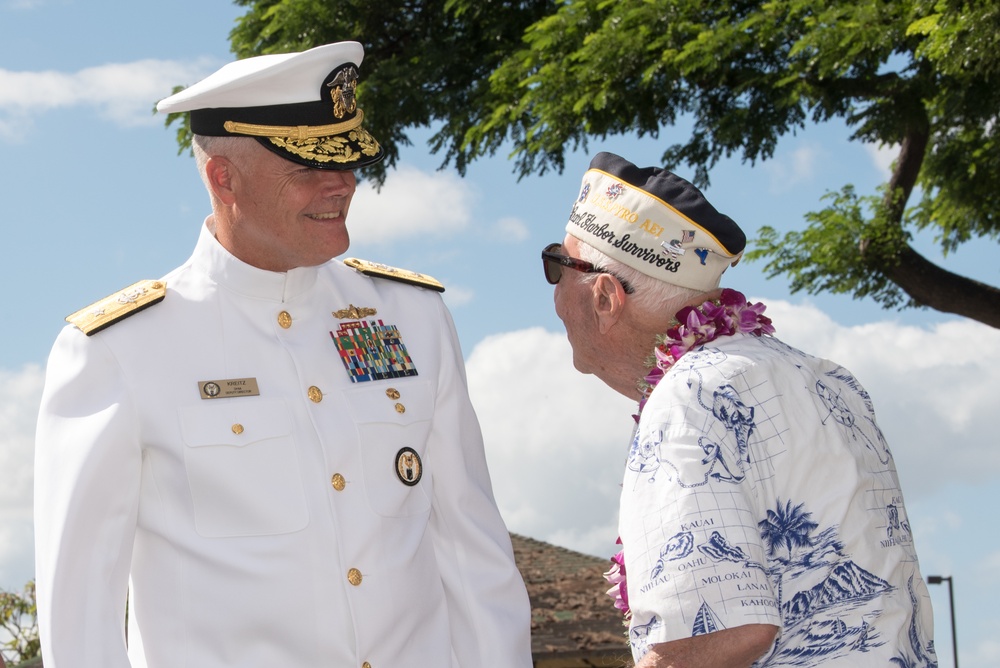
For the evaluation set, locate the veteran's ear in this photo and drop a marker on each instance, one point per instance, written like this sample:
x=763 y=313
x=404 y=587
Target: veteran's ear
x=608 y=301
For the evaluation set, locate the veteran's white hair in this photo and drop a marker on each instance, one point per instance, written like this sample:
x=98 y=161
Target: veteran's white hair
x=651 y=296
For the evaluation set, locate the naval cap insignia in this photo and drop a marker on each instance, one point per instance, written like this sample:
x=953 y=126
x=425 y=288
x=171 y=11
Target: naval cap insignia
x=342 y=90
x=409 y=468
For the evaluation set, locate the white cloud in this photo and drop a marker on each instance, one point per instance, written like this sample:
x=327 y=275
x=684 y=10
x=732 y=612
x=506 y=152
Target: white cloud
x=882 y=156
x=988 y=568
x=411 y=203
x=789 y=168
x=123 y=93
x=510 y=230
x=557 y=440
x=20 y=392
x=456 y=296
x=24 y=5
x=985 y=653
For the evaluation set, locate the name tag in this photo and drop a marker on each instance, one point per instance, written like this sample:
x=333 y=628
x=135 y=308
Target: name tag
x=224 y=389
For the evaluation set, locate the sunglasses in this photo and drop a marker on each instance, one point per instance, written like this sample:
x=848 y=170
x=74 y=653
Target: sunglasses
x=553 y=263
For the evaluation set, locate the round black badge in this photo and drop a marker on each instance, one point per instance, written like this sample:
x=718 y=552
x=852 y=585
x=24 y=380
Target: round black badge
x=409 y=468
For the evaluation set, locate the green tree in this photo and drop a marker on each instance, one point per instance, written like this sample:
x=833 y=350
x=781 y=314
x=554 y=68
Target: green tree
x=19 y=618
x=543 y=76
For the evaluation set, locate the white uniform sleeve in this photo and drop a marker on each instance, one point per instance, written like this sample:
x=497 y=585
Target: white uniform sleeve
x=87 y=470
x=488 y=605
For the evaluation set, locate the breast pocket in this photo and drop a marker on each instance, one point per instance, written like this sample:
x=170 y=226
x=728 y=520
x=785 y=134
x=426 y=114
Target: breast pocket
x=243 y=468
x=393 y=432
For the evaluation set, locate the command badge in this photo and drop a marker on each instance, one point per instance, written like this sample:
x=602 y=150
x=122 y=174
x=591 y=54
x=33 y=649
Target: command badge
x=408 y=466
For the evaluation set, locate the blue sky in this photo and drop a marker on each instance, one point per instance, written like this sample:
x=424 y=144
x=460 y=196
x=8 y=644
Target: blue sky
x=95 y=197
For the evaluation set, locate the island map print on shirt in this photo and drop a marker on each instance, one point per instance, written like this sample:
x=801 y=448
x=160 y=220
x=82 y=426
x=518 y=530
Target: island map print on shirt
x=722 y=501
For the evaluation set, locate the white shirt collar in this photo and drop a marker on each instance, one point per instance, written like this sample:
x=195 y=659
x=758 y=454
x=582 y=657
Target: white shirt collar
x=227 y=270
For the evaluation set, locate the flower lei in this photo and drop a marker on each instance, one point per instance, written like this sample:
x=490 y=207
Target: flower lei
x=693 y=326
x=619 y=588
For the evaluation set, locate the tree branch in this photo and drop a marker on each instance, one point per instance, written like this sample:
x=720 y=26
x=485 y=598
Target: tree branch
x=925 y=282
x=930 y=285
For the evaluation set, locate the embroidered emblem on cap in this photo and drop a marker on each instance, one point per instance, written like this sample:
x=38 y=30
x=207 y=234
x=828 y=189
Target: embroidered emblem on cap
x=676 y=246
x=342 y=88
x=409 y=468
x=372 y=350
x=338 y=149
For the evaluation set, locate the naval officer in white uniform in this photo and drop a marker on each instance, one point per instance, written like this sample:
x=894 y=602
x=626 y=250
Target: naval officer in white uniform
x=269 y=455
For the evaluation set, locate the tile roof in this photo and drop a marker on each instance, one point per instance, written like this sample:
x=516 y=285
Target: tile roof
x=572 y=617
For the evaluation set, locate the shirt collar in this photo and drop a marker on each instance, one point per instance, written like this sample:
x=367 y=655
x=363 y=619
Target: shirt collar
x=227 y=270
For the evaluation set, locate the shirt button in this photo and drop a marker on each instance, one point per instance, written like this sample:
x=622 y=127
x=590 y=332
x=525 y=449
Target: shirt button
x=400 y=408
x=237 y=429
x=339 y=482
x=315 y=394
x=354 y=577
x=392 y=393
x=366 y=665
x=285 y=319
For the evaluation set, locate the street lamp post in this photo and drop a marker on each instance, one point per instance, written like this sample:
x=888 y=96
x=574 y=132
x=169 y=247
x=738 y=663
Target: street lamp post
x=936 y=580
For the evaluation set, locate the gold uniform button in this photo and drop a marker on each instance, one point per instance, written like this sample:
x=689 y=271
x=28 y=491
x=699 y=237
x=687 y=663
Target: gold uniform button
x=315 y=394
x=237 y=429
x=339 y=482
x=285 y=319
x=392 y=393
x=366 y=665
x=354 y=577
x=400 y=408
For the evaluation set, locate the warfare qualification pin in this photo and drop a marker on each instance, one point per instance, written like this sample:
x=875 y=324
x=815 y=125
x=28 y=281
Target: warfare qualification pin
x=408 y=466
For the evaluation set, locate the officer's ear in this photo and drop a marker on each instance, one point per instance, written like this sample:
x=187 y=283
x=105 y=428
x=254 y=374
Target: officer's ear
x=608 y=301
x=220 y=175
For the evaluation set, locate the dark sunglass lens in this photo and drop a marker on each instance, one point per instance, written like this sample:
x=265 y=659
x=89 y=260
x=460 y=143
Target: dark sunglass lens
x=553 y=270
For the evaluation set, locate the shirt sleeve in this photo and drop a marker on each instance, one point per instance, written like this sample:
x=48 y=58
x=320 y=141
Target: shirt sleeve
x=689 y=515
x=87 y=470
x=488 y=606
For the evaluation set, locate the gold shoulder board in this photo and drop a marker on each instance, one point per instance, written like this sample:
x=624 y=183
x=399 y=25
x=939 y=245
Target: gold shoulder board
x=385 y=271
x=117 y=307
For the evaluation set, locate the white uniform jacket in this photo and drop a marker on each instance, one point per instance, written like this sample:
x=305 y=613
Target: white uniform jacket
x=287 y=528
